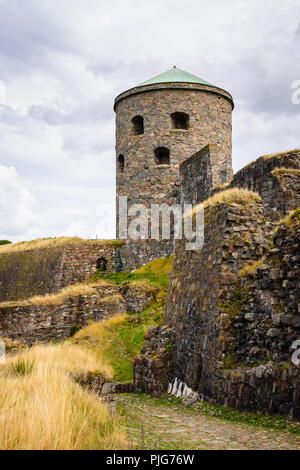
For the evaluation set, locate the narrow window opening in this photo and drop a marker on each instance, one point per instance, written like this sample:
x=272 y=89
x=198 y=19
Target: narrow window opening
x=137 y=125
x=162 y=156
x=101 y=264
x=121 y=163
x=180 y=121
x=223 y=176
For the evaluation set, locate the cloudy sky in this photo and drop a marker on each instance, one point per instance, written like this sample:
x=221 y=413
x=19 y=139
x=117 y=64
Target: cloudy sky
x=62 y=62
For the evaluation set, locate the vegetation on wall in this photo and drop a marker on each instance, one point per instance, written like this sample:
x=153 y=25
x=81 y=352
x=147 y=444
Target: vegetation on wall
x=27 y=273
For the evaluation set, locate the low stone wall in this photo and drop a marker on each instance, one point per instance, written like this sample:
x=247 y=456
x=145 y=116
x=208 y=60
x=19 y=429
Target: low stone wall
x=24 y=274
x=79 y=262
x=31 y=323
x=151 y=370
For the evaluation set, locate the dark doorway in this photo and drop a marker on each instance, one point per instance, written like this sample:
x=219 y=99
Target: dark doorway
x=101 y=264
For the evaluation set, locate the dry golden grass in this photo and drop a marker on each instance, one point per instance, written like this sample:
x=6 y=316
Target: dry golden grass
x=249 y=269
x=109 y=299
x=58 y=299
x=41 y=408
x=96 y=336
x=292 y=219
x=53 y=242
x=280 y=154
x=234 y=195
x=286 y=171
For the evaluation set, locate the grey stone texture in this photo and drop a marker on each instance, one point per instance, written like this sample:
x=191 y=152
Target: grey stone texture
x=33 y=323
x=25 y=274
x=234 y=331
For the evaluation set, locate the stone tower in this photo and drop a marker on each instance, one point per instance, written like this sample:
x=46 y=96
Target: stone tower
x=162 y=122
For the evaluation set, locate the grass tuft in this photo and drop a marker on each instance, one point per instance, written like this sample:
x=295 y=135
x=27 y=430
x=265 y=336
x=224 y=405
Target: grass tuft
x=41 y=408
x=250 y=269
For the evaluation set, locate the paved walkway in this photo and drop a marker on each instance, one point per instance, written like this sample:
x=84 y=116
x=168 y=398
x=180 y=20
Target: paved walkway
x=156 y=426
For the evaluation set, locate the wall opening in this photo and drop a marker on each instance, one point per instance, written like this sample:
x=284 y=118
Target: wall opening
x=180 y=121
x=121 y=163
x=223 y=176
x=137 y=125
x=101 y=264
x=162 y=156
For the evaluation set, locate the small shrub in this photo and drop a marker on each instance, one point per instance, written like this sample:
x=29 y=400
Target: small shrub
x=5 y=242
x=23 y=367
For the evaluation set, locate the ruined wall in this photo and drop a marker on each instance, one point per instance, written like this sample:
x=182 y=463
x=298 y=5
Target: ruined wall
x=79 y=262
x=141 y=178
x=41 y=323
x=152 y=369
x=200 y=173
x=280 y=190
x=137 y=253
x=24 y=274
x=275 y=178
x=233 y=332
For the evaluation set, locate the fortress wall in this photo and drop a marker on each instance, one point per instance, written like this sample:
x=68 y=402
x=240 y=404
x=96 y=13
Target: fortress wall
x=280 y=191
x=234 y=235
x=137 y=253
x=199 y=174
x=233 y=333
x=276 y=179
x=79 y=262
x=24 y=274
x=41 y=323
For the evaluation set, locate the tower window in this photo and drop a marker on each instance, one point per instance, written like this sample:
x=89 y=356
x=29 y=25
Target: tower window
x=121 y=163
x=162 y=156
x=137 y=125
x=223 y=176
x=180 y=121
x=101 y=264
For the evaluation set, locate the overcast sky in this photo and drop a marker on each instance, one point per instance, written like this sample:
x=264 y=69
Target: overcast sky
x=62 y=62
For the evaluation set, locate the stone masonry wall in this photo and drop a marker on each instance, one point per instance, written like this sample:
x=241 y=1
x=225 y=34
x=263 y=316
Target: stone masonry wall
x=151 y=369
x=200 y=174
x=79 y=262
x=140 y=252
x=275 y=178
x=142 y=180
x=24 y=274
x=233 y=332
x=32 y=323
x=280 y=190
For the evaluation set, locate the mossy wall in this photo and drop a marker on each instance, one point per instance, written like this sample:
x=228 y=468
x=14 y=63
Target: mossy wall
x=28 y=273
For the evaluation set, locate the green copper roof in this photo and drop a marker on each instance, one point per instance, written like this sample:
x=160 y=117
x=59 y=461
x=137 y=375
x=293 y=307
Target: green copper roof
x=175 y=75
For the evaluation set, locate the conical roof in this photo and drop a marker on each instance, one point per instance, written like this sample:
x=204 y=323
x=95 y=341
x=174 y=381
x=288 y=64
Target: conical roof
x=175 y=75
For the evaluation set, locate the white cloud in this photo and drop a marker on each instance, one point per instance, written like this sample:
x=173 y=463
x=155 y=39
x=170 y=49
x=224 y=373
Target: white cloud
x=63 y=63
x=16 y=204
